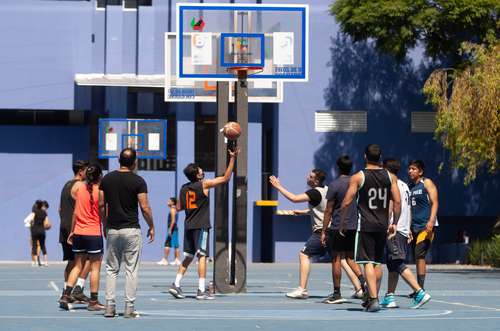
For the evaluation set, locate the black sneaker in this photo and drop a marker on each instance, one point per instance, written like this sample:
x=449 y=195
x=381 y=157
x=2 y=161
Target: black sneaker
x=78 y=296
x=373 y=306
x=65 y=302
x=176 y=292
x=204 y=295
x=334 y=298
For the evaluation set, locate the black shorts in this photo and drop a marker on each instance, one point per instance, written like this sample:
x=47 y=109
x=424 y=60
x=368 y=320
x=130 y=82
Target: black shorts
x=196 y=242
x=421 y=243
x=370 y=247
x=67 y=249
x=397 y=248
x=313 y=246
x=91 y=245
x=343 y=245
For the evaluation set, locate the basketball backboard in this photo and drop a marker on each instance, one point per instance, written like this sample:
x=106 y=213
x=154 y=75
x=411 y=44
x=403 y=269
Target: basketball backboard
x=147 y=136
x=213 y=38
x=205 y=91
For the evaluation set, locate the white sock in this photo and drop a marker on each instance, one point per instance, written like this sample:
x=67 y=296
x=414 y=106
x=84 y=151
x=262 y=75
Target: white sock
x=80 y=282
x=201 y=284
x=178 y=278
x=65 y=284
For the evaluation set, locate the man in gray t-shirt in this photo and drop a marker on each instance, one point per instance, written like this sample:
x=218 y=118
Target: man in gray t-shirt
x=342 y=242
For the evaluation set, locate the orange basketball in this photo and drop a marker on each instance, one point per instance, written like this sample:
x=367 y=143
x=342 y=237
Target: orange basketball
x=232 y=130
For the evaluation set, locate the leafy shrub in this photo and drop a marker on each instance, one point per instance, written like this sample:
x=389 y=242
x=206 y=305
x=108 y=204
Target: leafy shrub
x=486 y=252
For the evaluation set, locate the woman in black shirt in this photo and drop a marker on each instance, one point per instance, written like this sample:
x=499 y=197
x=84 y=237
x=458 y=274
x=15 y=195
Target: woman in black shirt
x=40 y=224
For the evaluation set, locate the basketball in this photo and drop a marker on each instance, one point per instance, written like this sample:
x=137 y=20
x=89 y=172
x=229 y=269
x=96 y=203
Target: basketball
x=232 y=130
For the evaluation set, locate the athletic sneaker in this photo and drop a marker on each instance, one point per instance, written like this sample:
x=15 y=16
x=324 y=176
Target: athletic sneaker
x=78 y=296
x=95 y=306
x=357 y=294
x=412 y=295
x=372 y=306
x=421 y=298
x=204 y=295
x=176 y=292
x=298 y=293
x=110 y=310
x=389 y=301
x=177 y=262
x=130 y=312
x=65 y=302
x=162 y=262
x=334 y=298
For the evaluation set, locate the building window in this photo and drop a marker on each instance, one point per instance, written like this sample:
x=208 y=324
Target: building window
x=42 y=117
x=204 y=141
x=423 y=121
x=341 y=121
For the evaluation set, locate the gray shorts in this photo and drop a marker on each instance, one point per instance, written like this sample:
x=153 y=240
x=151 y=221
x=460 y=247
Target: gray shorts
x=397 y=247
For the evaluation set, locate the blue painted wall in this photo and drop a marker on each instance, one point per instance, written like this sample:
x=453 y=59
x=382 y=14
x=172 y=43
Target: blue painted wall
x=46 y=42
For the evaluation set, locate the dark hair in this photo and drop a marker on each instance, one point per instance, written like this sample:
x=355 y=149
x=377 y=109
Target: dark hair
x=392 y=165
x=191 y=172
x=127 y=157
x=39 y=204
x=373 y=153
x=344 y=164
x=320 y=175
x=79 y=165
x=418 y=163
x=174 y=200
x=93 y=175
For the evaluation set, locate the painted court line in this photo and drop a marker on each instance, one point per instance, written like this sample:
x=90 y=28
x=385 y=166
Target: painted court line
x=465 y=305
x=54 y=286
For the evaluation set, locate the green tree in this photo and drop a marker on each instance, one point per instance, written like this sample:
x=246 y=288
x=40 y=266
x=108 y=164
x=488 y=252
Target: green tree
x=461 y=34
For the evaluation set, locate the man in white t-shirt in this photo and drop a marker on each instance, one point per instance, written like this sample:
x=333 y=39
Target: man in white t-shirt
x=316 y=199
x=397 y=248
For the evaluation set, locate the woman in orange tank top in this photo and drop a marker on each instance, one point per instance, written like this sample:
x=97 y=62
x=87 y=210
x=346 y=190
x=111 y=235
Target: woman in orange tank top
x=86 y=236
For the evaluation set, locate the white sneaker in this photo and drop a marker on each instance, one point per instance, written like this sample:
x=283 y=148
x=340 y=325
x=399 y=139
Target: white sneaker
x=177 y=262
x=45 y=264
x=162 y=262
x=357 y=294
x=298 y=293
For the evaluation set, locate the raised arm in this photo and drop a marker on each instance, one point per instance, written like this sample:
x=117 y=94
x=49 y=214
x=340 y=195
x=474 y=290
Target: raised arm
x=148 y=214
x=209 y=183
x=289 y=195
x=433 y=197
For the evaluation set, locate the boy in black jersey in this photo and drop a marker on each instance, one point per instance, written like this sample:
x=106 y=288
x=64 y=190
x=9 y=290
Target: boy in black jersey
x=374 y=187
x=193 y=199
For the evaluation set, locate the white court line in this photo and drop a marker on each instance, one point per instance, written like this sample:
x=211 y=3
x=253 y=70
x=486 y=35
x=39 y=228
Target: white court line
x=465 y=305
x=375 y=317
x=54 y=286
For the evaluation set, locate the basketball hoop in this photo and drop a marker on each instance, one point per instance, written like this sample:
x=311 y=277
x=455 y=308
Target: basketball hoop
x=243 y=72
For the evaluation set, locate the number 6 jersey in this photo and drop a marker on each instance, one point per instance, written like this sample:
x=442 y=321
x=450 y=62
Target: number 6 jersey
x=374 y=195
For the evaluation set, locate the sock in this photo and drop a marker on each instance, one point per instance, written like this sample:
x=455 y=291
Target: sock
x=336 y=290
x=93 y=296
x=201 y=284
x=65 y=284
x=421 y=280
x=178 y=278
x=80 y=282
x=68 y=290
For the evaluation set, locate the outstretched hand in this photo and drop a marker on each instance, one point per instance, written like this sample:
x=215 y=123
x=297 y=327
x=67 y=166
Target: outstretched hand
x=274 y=181
x=235 y=152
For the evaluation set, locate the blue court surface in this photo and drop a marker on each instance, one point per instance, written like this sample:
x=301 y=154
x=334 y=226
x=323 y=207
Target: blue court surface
x=463 y=298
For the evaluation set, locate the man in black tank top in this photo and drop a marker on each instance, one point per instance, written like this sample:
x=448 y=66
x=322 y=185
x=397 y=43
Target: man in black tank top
x=374 y=187
x=66 y=209
x=193 y=199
